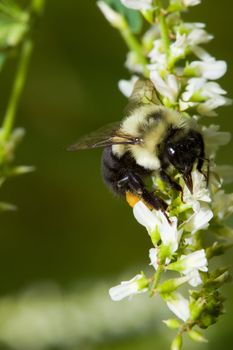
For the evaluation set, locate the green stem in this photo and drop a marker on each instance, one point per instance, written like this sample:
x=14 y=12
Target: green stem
x=163 y=28
x=157 y=277
x=134 y=46
x=19 y=82
x=20 y=78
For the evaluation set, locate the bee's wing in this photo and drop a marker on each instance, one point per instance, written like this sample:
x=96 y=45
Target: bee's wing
x=107 y=136
x=144 y=93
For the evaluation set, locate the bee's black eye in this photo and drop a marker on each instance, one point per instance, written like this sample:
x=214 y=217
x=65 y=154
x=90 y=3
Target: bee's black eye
x=183 y=149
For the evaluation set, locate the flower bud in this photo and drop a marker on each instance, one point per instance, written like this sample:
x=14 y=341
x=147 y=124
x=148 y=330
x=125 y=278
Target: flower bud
x=177 y=343
x=206 y=321
x=197 y=336
x=171 y=285
x=172 y=323
x=217 y=249
x=196 y=308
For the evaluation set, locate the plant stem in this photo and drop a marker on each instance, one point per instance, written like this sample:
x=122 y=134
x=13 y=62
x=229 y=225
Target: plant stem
x=157 y=277
x=163 y=28
x=19 y=82
x=134 y=46
x=20 y=78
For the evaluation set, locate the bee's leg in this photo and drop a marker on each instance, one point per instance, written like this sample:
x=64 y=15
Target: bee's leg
x=199 y=168
x=166 y=178
x=133 y=183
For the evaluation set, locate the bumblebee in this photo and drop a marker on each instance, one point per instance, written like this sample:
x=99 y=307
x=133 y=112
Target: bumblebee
x=150 y=140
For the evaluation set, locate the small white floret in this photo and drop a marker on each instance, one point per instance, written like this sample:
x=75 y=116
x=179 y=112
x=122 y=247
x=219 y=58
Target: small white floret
x=179 y=306
x=127 y=289
x=126 y=86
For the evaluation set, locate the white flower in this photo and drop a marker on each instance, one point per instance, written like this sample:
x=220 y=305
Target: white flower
x=199 y=220
x=168 y=87
x=194 y=278
x=222 y=204
x=199 y=90
x=145 y=216
x=169 y=233
x=150 y=36
x=177 y=49
x=190 y=264
x=189 y=240
x=201 y=53
x=208 y=69
x=193 y=261
x=157 y=54
x=179 y=306
x=183 y=105
x=198 y=36
x=191 y=2
x=207 y=108
x=153 y=254
x=138 y=4
x=133 y=64
x=113 y=17
x=214 y=138
x=200 y=192
x=128 y=288
x=126 y=86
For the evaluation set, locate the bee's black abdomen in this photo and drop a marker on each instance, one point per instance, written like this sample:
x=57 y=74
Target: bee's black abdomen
x=117 y=171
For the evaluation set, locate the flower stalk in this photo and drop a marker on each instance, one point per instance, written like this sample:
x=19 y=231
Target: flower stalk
x=20 y=77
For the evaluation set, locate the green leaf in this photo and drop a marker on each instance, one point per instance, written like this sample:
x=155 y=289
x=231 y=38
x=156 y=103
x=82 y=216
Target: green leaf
x=133 y=17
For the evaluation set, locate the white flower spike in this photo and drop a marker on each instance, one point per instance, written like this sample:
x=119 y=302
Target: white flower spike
x=169 y=53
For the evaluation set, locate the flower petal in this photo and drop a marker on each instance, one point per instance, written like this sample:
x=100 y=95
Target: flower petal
x=179 y=306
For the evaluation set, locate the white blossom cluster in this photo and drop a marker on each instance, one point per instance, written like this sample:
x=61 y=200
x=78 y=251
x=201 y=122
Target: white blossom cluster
x=184 y=74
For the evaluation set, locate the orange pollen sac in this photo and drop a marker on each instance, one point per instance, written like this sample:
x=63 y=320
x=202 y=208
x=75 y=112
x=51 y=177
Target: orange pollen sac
x=132 y=199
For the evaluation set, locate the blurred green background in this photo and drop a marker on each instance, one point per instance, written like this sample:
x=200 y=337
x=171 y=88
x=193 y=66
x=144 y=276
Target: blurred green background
x=70 y=239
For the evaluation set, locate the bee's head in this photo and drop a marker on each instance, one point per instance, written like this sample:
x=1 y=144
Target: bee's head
x=183 y=148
